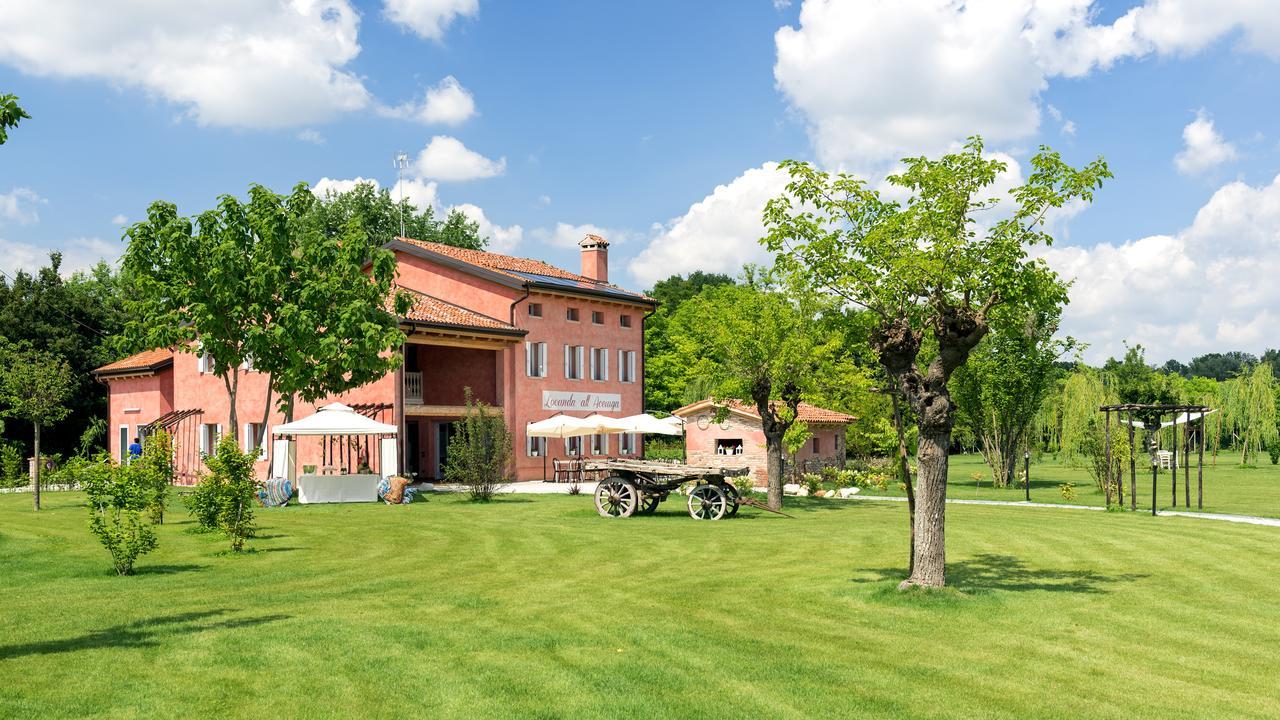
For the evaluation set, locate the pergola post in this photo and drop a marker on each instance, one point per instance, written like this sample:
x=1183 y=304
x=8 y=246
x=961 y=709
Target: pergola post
x=1133 y=469
x=1173 y=465
x=1186 y=462
x=1200 y=466
x=1109 y=479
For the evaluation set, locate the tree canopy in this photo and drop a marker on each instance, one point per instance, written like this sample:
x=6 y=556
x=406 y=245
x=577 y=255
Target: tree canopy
x=929 y=265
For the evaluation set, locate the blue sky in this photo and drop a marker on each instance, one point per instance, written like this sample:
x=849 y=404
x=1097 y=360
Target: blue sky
x=656 y=124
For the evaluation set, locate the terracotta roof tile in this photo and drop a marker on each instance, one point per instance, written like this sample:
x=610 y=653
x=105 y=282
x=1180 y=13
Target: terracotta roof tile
x=807 y=413
x=428 y=309
x=513 y=266
x=138 y=361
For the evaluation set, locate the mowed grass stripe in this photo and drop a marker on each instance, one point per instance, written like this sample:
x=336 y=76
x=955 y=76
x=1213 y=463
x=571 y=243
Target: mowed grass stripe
x=536 y=607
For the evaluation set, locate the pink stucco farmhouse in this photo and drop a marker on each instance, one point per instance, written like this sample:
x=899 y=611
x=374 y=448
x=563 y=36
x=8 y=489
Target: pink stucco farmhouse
x=526 y=337
x=734 y=438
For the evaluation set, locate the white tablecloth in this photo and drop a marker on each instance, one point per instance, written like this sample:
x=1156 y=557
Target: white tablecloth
x=338 y=488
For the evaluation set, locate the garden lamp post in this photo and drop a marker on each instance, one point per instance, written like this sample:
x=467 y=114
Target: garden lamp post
x=1026 y=473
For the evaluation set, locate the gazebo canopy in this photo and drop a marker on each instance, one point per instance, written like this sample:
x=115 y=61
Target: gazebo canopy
x=649 y=425
x=335 y=419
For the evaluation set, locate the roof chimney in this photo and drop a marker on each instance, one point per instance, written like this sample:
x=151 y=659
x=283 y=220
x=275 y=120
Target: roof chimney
x=595 y=258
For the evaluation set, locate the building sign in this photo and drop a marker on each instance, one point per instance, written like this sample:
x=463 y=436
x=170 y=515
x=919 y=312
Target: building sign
x=581 y=401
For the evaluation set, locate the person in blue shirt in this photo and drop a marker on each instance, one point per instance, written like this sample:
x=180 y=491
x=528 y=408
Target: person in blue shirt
x=135 y=450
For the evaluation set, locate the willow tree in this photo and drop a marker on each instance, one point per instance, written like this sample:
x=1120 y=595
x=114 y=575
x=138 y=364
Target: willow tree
x=999 y=392
x=927 y=266
x=1250 y=406
x=1082 y=394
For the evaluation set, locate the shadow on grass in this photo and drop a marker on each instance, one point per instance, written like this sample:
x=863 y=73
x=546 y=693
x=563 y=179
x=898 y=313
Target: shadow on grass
x=147 y=633
x=166 y=569
x=991 y=572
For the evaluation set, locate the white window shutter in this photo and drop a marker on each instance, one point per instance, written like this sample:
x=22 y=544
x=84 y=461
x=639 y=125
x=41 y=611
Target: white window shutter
x=248 y=437
x=542 y=359
x=528 y=359
x=567 y=364
x=581 y=359
x=604 y=357
x=631 y=366
x=594 y=370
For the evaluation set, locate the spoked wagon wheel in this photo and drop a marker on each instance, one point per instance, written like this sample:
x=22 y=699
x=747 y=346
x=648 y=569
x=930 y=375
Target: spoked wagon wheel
x=731 y=494
x=616 y=497
x=707 y=502
x=648 y=503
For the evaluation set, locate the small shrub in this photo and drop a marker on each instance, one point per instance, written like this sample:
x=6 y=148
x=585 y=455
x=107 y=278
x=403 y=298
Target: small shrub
x=156 y=466
x=202 y=503
x=11 y=472
x=480 y=451
x=575 y=488
x=1068 y=491
x=744 y=484
x=976 y=477
x=235 y=490
x=117 y=497
x=829 y=474
x=812 y=483
x=1274 y=451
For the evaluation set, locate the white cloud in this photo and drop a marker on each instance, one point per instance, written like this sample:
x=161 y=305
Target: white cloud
x=1208 y=287
x=421 y=194
x=567 y=235
x=447 y=103
x=501 y=239
x=544 y=200
x=1069 y=128
x=1203 y=149
x=447 y=159
x=935 y=71
x=326 y=185
x=119 y=220
x=428 y=18
x=20 y=205
x=77 y=254
x=719 y=233
x=312 y=136
x=238 y=63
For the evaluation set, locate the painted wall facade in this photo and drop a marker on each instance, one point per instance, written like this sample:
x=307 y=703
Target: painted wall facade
x=739 y=441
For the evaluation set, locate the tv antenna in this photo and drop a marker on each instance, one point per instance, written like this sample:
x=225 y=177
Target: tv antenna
x=401 y=162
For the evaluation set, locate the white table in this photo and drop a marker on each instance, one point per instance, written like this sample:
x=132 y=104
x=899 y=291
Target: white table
x=338 y=488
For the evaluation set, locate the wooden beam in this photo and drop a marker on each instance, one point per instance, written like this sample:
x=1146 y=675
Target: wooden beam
x=411 y=409
x=463 y=341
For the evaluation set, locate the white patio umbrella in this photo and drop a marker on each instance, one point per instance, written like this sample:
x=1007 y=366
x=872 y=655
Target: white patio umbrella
x=647 y=424
x=608 y=425
x=560 y=426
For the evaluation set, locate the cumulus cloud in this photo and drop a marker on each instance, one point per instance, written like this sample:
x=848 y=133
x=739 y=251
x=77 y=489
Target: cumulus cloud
x=1210 y=286
x=445 y=158
x=236 y=63
x=568 y=235
x=719 y=233
x=1203 y=148
x=876 y=81
x=446 y=103
x=310 y=135
x=327 y=185
x=501 y=239
x=119 y=219
x=421 y=194
x=20 y=205
x=428 y=18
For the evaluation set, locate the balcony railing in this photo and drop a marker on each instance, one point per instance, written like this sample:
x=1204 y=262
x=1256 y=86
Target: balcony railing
x=413 y=387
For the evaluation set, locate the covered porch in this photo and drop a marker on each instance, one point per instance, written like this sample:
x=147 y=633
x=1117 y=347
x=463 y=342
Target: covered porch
x=441 y=362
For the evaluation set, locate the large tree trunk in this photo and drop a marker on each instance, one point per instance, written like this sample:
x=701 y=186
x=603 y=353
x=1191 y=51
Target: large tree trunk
x=35 y=473
x=928 y=566
x=906 y=478
x=773 y=452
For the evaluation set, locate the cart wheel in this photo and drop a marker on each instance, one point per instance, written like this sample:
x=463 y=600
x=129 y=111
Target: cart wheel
x=735 y=500
x=648 y=503
x=707 y=502
x=616 y=497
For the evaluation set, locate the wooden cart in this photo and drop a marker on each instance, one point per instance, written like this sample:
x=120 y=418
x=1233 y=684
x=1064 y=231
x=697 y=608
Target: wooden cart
x=636 y=487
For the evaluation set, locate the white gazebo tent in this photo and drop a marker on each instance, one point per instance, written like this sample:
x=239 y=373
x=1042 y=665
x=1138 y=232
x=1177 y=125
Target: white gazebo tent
x=332 y=420
x=647 y=424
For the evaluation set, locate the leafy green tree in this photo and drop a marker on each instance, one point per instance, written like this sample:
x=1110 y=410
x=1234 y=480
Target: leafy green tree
x=1220 y=366
x=156 y=465
x=1250 y=405
x=1137 y=382
x=1082 y=394
x=35 y=387
x=10 y=115
x=74 y=317
x=479 y=451
x=1001 y=389
x=668 y=384
x=378 y=215
x=231 y=474
x=756 y=346
x=927 y=266
x=118 y=496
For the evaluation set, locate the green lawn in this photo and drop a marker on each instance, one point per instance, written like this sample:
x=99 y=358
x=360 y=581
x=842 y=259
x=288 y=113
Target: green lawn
x=1228 y=488
x=533 y=606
